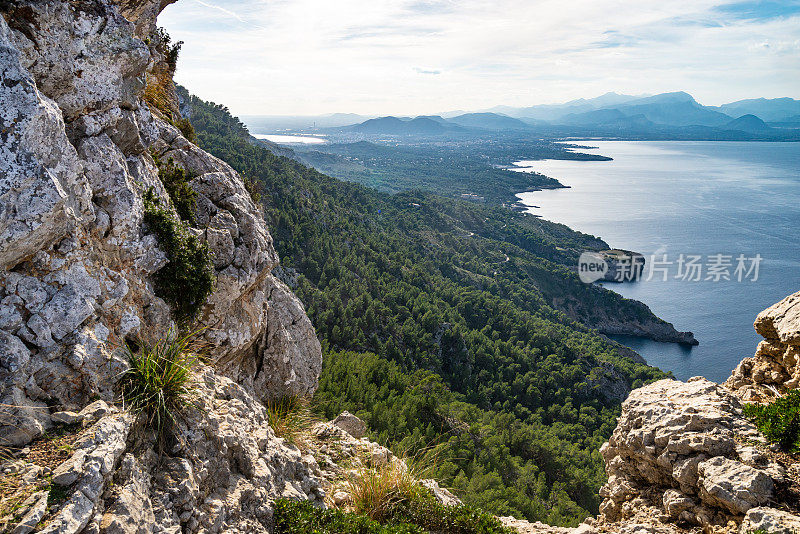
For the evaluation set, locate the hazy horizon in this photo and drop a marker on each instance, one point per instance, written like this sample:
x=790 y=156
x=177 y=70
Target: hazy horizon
x=482 y=110
x=415 y=57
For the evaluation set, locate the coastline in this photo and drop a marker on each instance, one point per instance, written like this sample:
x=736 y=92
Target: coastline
x=660 y=331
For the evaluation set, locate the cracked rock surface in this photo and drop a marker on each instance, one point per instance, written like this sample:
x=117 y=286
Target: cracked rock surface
x=76 y=280
x=76 y=261
x=684 y=454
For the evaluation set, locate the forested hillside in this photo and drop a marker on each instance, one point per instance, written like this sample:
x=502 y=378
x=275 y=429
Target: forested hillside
x=437 y=324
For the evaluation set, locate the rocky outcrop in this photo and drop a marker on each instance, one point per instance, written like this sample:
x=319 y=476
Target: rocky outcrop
x=77 y=266
x=684 y=454
x=657 y=331
x=688 y=445
x=775 y=368
x=220 y=474
x=76 y=260
x=351 y=424
x=623 y=265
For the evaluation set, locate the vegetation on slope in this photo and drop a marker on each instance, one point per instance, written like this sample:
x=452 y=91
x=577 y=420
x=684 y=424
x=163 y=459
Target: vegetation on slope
x=779 y=421
x=188 y=279
x=418 y=515
x=438 y=328
x=449 y=170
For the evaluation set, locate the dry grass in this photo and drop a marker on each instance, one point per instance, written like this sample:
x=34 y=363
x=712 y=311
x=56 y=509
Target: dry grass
x=291 y=418
x=378 y=492
x=13 y=492
x=48 y=451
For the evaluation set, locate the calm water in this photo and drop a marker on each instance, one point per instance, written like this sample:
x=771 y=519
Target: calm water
x=691 y=198
x=291 y=139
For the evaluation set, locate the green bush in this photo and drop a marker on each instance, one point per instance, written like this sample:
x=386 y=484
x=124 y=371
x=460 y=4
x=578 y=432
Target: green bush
x=254 y=189
x=779 y=421
x=158 y=383
x=186 y=128
x=170 y=50
x=293 y=517
x=432 y=515
x=176 y=181
x=426 y=515
x=188 y=279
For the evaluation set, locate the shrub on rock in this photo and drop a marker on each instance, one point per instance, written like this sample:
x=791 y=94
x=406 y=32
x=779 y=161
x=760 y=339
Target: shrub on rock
x=779 y=421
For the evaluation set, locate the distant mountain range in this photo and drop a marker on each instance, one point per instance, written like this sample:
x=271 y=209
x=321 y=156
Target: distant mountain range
x=399 y=126
x=674 y=115
x=767 y=109
x=677 y=108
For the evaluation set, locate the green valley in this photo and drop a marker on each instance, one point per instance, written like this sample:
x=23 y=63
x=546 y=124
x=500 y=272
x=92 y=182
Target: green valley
x=439 y=328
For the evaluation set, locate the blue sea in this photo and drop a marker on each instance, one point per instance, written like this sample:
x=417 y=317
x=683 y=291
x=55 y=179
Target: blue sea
x=701 y=201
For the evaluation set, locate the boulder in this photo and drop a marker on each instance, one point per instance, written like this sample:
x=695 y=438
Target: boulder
x=351 y=424
x=770 y=521
x=733 y=485
x=443 y=495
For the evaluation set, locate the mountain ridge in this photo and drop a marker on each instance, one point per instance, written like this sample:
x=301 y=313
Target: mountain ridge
x=674 y=115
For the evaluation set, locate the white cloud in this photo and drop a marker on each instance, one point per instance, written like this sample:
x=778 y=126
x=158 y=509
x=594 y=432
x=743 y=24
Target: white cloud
x=316 y=56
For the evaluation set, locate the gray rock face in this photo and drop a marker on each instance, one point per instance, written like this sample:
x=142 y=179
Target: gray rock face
x=222 y=474
x=684 y=453
x=75 y=259
x=771 y=521
x=733 y=485
x=775 y=368
x=76 y=266
x=682 y=443
x=351 y=424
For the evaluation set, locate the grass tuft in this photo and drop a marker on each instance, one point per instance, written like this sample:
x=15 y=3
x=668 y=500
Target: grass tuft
x=392 y=494
x=379 y=492
x=159 y=384
x=290 y=418
x=779 y=421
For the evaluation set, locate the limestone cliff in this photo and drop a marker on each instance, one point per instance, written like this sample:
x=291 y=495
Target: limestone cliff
x=77 y=266
x=76 y=260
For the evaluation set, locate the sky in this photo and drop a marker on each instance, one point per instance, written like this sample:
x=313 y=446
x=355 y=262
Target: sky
x=410 y=57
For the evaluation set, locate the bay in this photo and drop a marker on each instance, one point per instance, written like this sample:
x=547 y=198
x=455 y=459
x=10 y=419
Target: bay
x=664 y=199
x=291 y=139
